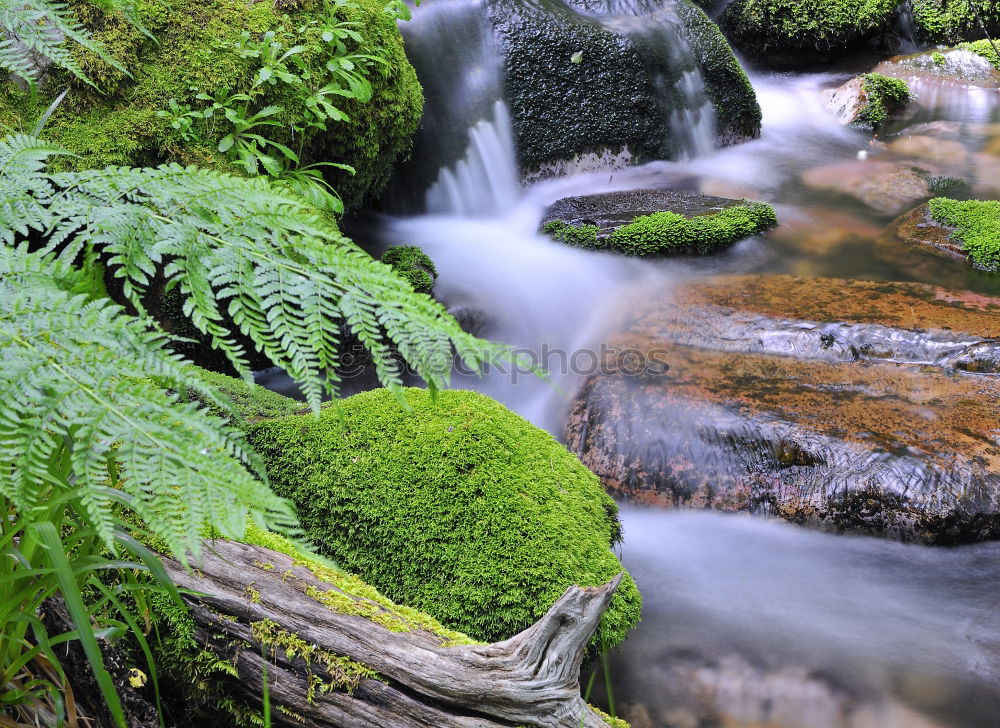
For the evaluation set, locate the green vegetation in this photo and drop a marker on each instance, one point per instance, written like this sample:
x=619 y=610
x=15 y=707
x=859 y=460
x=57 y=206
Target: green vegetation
x=882 y=97
x=251 y=401
x=775 y=27
x=95 y=432
x=412 y=265
x=453 y=505
x=977 y=226
x=951 y=21
x=984 y=48
x=275 y=87
x=737 y=112
x=668 y=233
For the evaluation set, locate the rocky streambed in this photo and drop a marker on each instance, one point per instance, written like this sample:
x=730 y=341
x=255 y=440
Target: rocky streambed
x=853 y=405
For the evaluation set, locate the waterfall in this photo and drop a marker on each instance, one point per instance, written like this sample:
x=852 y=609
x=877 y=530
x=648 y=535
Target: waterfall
x=463 y=156
x=658 y=35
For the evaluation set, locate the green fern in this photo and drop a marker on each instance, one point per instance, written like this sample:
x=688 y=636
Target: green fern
x=77 y=369
x=32 y=31
x=243 y=252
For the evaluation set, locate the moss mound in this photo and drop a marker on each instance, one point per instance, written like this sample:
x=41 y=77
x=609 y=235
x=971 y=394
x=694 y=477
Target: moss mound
x=199 y=49
x=413 y=265
x=457 y=507
x=669 y=233
x=951 y=21
x=883 y=96
x=793 y=27
x=252 y=401
x=976 y=225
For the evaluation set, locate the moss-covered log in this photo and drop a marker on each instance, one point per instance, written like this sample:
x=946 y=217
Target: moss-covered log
x=262 y=611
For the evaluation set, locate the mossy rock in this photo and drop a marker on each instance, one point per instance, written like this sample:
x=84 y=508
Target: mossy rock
x=868 y=101
x=193 y=51
x=986 y=49
x=655 y=222
x=578 y=90
x=951 y=21
x=788 y=29
x=251 y=401
x=975 y=225
x=412 y=265
x=453 y=505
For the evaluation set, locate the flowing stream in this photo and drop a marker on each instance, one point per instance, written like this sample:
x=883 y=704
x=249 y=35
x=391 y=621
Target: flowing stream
x=754 y=622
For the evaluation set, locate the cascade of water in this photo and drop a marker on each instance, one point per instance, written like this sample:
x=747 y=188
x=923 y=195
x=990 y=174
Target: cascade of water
x=657 y=33
x=464 y=153
x=484 y=182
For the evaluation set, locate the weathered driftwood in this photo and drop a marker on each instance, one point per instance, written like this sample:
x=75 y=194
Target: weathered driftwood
x=531 y=679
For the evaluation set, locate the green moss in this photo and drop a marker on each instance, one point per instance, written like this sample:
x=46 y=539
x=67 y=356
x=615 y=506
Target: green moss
x=985 y=49
x=413 y=265
x=770 y=27
x=951 y=21
x=668 y=233
x=252 y=401
x=977 y=227
x=737 y=112
x=194 y=52
x=455 y=506
x=882 y=97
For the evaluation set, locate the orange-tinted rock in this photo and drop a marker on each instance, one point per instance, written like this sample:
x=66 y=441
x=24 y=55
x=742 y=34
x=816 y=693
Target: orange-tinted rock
x=919 y=228
x=822 y=401
x=885 y=187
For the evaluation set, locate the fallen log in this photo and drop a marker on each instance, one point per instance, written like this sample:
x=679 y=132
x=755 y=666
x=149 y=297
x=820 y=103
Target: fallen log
x=261 y=609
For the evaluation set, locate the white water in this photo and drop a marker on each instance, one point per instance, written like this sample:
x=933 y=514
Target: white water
x=778 y=619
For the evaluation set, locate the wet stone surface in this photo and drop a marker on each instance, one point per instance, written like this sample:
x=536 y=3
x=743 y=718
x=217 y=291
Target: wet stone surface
x=822 y=401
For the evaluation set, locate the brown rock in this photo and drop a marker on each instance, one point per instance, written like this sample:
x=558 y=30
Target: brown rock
x=886 y=187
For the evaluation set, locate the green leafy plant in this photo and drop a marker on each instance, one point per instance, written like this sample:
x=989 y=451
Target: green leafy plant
x=35 y=30
x=94 y=433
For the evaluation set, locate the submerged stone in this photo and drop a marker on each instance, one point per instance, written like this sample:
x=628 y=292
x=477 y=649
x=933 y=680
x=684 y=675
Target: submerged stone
x=886 y=187
x=843 y=404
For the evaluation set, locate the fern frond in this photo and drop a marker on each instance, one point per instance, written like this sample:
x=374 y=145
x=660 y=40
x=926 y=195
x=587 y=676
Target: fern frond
x=248 y=257
x=78 y=369
x=37 y=30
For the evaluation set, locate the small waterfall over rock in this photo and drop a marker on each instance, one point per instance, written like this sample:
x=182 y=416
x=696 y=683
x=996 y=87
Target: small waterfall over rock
x=464 y=153
x=658 y=35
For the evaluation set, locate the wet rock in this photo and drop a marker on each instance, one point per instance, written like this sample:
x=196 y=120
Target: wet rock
x=889 y=188
x=609 y=210
x=843 y=404
x=868 y=101
x=942 y=151
x=585 y=94
x=730 y=691
x=956 y=65
x=917 y=227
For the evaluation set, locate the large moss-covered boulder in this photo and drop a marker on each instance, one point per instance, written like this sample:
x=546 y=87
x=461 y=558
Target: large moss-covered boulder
x=787 y=29
x=197 y=47
x=455 y=506
x=951 y=21
x=586 y=92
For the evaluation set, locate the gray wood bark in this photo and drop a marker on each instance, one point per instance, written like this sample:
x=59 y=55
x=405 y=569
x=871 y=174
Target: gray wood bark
x=531 y=679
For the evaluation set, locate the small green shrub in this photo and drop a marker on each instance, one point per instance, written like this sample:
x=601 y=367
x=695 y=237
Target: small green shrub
x=883 y=96
x=977 y=226
x=413 y=265
x=455 y=506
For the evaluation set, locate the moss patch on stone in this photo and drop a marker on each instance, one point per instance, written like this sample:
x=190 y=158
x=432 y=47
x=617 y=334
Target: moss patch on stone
x=976 y=224
x=195 y=51
x=668 y=233
x=251 y=401
x=413 y=265
x=951 y=21
x=453 y=505
x=780 y=27
x=883 y=96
